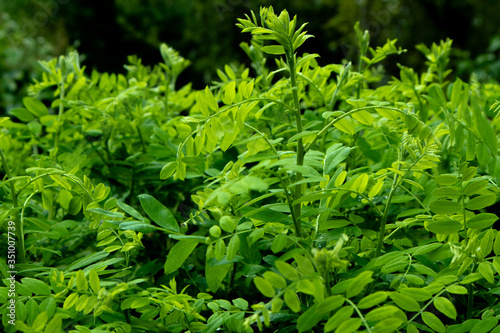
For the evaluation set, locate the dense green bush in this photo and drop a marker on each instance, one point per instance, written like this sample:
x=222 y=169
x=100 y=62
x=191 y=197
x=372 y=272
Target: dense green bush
x=286 y=197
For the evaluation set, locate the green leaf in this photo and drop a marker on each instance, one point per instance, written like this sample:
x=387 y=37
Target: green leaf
x=160 y=214
x=264 y=286
x=446 y=180
x=363 y=117
x=349 y=326
x=220 y=249
x=357 y=103
x=375 y=189
x=335 y=155
x=418 y=294
x=129 y=210
x=138 y=226
x=456 y=94
x=446 y=192
x=443 y=227
x=75 y=205
x=54 y=325
x=485 y=326
x=338 y=318
x=358 y=283
x=472 y=277
x=496 y=245
x=81 y=281
x=273 y=49
x=486 y=271
x=445 y=207
x=35 y=127
x=386 y=113
x=94 y=281
x=210 y=100
x=488 y=134
x=372 y=299
x=86 y=261
x=433 y=322
x=481 y=221
x=330 y=303
x=70 y=301
x=446 y=307
x=229 y=92
x=22 y=114
x=233 y=247
x=40 y=321
x=304 y=264
x=276 y=280
x=215 y=274
x=241 y=304
x=345 y=126
x=471 y=147
x=35 y=106
x=406 y=303
x=381 y=313
x=456 y=289
x=475 y=187
x=178 y=254
x=292 y=300
x=287 y=270
x=424 y=249
x=106 y=212
x=168 y=170
x=36 y=286
x=309 y=319
x=389 y=325
x=481 y=202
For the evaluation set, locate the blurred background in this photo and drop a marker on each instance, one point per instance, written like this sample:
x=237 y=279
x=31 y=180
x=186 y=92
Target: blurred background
x=105 y=32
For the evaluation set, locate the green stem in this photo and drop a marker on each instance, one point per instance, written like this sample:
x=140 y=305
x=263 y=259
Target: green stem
x=15 y=204
x=381 y=234
x=395 y=184
x=368 y=329
x=426 y=306
x=360 y=70
x=285 y=188
x=331 y=123
x=300 y=146
x=470 y=301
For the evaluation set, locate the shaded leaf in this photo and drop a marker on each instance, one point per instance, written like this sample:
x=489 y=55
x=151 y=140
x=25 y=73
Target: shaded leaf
x=160 y=214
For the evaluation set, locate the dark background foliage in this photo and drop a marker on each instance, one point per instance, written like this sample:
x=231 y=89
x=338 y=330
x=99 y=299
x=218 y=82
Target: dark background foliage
x=106 y=32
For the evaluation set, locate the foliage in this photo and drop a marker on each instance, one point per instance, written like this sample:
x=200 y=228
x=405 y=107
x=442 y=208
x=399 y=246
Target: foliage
x=322 y=198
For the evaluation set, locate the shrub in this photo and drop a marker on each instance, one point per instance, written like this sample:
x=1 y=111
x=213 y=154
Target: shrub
x=322 y=198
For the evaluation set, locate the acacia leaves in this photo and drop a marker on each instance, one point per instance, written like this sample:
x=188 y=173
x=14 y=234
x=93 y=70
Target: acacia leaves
x=275 y=27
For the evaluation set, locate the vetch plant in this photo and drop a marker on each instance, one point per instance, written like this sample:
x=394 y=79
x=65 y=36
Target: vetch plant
x=288 y=196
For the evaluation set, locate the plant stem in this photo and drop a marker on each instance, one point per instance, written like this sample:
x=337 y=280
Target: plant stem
x=470 y=301
x=360 y=315
x=386 y=212
x=17 y=221
x=300 y=146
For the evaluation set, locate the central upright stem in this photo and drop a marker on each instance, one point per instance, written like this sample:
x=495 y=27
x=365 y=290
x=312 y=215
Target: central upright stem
x=300 y=146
